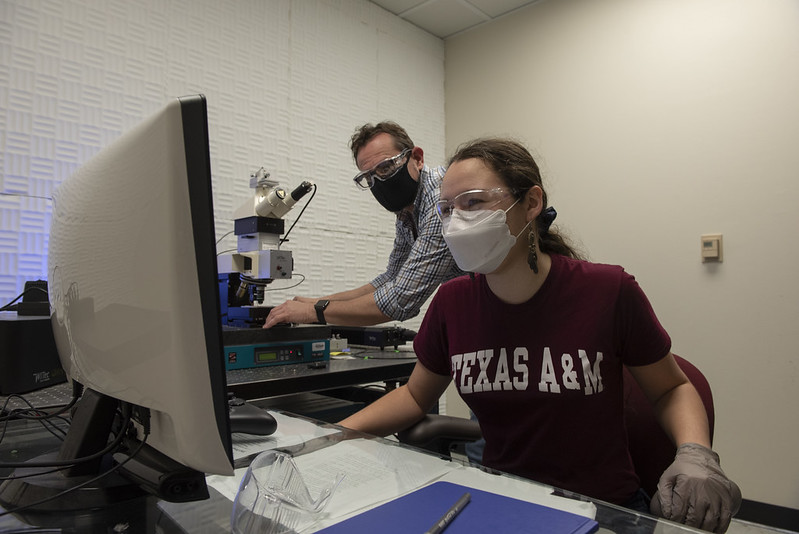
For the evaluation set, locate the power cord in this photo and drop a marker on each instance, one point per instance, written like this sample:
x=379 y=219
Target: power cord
x=75 y=461
x=36 y=414
x=285 y=237
x=92 y=480
x=12 y=307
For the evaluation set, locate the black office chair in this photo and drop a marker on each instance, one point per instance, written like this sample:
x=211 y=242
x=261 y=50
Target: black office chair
x=650 y=448
x=441 y=433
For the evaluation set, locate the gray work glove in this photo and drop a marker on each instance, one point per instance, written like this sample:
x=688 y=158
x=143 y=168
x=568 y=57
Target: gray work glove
x=695 y=491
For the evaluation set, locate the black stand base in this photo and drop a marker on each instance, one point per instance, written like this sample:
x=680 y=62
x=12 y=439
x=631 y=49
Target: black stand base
x=34 y=484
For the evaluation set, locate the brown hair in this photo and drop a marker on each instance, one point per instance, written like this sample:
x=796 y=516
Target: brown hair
x=365 y=133
x=515 y=166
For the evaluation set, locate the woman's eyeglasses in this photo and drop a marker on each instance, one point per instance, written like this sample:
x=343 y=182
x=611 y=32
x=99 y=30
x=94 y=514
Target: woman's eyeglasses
x=472 y=200
x=382 y=171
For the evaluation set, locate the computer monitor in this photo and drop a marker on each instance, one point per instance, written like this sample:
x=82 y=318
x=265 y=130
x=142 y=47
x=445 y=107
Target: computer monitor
x=134 y=292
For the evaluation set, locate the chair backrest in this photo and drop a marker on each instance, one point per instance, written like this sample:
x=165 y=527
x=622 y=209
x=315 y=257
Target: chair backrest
x=650 y=448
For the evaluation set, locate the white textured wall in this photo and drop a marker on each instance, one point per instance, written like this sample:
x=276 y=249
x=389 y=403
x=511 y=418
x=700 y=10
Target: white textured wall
x=287 y=82
x=656 y=121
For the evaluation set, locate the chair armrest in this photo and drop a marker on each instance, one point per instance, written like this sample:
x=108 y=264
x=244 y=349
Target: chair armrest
x=440 y=427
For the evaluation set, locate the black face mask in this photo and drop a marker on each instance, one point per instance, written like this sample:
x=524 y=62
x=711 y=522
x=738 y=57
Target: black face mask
x=398 y=191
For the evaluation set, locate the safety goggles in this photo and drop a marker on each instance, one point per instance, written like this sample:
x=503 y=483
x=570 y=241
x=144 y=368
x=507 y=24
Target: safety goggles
x=382 y=171
x=472 y=200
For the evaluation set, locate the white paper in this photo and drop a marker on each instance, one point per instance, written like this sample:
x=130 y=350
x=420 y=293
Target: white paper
x=290 y=431
x=374 y=473
x=227 y=486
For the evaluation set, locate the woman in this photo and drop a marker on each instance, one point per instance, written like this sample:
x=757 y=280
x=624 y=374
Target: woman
x=536 y=343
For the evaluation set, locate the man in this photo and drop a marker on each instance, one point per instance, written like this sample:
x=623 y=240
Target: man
x=393 y=169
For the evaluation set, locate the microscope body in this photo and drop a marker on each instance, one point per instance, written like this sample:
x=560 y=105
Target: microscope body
x=259 y=258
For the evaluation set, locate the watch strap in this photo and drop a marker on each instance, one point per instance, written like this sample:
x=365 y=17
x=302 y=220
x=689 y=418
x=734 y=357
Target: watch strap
x=320 y=307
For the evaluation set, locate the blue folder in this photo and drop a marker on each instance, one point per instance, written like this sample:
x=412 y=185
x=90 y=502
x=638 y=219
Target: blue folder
x=486 y=513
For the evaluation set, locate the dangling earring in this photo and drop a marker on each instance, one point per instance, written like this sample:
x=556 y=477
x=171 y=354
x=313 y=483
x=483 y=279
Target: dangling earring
x=532 y=257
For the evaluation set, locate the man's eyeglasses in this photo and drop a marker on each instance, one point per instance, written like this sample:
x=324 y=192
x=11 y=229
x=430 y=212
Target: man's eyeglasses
x=382 y=171
x=472 y=200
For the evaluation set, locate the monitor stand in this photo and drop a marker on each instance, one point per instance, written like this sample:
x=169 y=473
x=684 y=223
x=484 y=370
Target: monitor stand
x=94 y=418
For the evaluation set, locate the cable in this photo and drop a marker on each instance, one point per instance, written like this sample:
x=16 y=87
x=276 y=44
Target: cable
x=22 y=413
x=285 y=237
x=264 y=283
x=77 y=389
x=34 y=414
x=68 y=463
x=10 y=307
x=287 y=287
x=224 y=236
x=46 y=421
x=254 y=281
x=26 y=196
x=17 y=412
x=40 y=530
x=104 y=474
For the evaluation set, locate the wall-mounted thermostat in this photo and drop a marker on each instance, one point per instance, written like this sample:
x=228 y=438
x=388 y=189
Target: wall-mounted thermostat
x=711 y=248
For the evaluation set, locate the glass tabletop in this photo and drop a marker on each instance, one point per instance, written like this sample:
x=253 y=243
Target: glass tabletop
x=311 y=443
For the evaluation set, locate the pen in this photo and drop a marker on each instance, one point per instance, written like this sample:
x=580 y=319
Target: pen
x=447 y=518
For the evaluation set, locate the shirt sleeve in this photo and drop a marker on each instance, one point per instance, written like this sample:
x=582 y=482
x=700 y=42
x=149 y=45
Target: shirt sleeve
x=430 y=343
x=643 y=340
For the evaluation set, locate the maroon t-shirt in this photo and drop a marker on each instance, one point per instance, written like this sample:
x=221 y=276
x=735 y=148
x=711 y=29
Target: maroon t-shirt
x=545 y=377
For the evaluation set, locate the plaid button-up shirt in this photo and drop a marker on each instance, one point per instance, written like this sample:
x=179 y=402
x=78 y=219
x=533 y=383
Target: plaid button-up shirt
x=420 y=260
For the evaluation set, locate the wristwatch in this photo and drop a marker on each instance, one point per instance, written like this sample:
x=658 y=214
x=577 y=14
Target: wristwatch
x=320 y=311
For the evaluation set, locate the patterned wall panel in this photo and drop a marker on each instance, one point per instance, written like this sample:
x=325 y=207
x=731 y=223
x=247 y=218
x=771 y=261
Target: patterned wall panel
x=287 y=82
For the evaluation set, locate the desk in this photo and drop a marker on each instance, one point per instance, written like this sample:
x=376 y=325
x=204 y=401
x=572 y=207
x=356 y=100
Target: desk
x=275 y=380
x=25 y=439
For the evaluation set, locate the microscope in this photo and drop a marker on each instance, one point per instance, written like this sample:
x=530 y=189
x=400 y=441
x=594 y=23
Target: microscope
x=259 y=258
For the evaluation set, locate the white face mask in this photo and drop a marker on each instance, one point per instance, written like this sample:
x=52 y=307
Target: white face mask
x=479 y=240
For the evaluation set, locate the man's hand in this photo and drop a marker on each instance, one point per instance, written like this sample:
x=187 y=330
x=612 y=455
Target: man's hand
x=695 y=491
x=292 y=311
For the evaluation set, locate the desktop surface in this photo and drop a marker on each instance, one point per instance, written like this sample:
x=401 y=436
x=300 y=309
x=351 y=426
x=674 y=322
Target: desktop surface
x=363 y=368
x=312 y=444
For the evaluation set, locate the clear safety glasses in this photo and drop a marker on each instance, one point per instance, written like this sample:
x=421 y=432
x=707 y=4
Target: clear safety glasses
x=472 y=200
x=382 y=171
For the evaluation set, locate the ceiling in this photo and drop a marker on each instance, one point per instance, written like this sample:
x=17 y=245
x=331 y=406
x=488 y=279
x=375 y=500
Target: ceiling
x=445 y=18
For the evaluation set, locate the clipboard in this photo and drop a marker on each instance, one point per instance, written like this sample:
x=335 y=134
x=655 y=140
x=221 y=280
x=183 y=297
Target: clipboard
x=417 y=511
